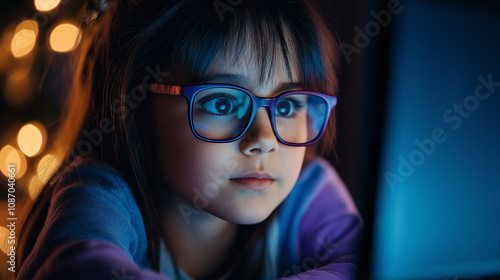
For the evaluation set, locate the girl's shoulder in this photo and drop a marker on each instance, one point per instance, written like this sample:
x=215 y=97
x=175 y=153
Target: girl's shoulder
x=98 y=195
x=319 y=213
x=91 y=200
x=87 y=202
x=87 y=171
x=96 y=183
x=89 y=183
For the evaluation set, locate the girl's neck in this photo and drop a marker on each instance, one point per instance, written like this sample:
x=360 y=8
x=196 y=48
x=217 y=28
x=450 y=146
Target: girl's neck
x=199 y=241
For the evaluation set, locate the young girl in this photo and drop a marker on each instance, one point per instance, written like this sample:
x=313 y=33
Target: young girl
x=189 y=122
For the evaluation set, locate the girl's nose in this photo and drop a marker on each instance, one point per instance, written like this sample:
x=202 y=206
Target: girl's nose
x=259 y=139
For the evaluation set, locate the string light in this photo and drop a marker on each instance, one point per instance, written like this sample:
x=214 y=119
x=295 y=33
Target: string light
x=23 y=42
x=24 y=38
x=10 y=155
x=64 y=37
x=4 y=237
x=35 y=186
x=47 y=167
x=31 y=139
x=46 y=5
x=28 y=24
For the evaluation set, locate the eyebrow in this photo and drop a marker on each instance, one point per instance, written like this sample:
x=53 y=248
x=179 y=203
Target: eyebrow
x=240 y=80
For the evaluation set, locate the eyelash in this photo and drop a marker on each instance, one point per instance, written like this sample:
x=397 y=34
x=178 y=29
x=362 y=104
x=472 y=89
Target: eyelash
x=298 y=104
x=210 y=98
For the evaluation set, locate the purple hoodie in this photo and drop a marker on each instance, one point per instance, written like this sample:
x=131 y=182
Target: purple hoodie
x=94 y=230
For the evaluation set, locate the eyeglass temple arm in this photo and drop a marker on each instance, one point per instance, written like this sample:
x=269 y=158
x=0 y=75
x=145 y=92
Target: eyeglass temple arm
x=164 y=89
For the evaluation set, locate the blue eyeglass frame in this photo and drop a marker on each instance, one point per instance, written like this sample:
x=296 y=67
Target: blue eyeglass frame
x=270 y=103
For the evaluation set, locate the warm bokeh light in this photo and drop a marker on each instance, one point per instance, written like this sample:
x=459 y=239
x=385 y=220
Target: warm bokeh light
x=24 y=38
x=4 y=237
x=31 y=139
x=35 y=186
x=28 y=24
x=47 y=167
x=4 y=158
x=46 y=5
x=64 y=37
x=10 y=155
x=23 y=42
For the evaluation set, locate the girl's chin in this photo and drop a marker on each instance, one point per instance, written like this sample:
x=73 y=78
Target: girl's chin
x=245 y=216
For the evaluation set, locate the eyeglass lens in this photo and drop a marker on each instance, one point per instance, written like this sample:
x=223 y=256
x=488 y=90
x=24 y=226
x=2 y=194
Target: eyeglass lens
x=224 y=113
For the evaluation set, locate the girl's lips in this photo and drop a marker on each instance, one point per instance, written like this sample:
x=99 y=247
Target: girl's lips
x=254 y=183
x=255 y=180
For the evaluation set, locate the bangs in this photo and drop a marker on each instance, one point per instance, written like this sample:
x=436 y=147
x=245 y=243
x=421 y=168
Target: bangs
x=269 y=40
x=276 y=36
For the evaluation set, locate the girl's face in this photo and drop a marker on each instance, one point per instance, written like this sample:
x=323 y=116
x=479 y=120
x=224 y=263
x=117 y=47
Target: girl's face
x=225 y=179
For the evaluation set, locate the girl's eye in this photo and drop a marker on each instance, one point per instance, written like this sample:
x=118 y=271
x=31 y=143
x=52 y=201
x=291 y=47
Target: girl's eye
x=287 y=108
x=218 y=104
